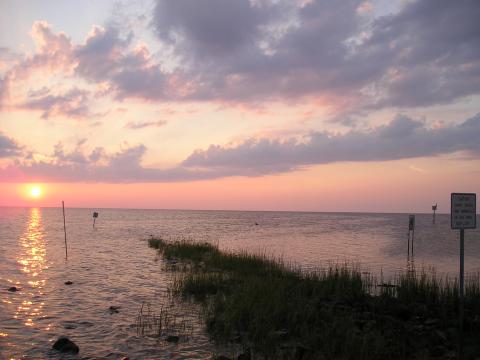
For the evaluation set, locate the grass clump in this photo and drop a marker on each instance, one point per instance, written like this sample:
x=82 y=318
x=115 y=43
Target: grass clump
x=280 y=312
x=161 y=323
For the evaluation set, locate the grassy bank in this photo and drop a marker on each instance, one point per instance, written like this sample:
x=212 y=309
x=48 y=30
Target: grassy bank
x=279 y=312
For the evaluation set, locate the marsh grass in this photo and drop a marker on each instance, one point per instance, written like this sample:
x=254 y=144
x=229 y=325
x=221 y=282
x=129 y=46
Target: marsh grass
x=280 y=311
x=161 y=322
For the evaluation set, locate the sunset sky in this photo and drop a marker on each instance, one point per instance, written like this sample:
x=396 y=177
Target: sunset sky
x=251 y=105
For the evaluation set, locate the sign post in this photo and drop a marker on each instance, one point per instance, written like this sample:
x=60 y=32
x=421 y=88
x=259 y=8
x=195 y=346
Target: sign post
x=463 y=216
x=434 y=208
x=411 y=233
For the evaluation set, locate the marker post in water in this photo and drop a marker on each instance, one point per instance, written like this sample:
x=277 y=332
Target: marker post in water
x=463 y=216
x=434 y=208
x=411 y=232
x=95 y=216
x=65 y=230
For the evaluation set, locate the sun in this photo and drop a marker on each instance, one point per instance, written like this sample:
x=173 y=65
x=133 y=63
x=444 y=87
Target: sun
x=35 y=191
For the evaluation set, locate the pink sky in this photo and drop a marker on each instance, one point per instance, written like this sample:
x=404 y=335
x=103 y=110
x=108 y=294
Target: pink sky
x=308 y=105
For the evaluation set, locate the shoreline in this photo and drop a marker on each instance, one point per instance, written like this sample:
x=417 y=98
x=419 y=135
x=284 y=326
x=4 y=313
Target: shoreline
x=276 y=311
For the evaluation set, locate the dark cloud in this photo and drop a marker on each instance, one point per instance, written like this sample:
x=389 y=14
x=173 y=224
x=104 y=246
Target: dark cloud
x=99 y=57
x=400 y=139
x=433 y=48
x=74 y=103
x=145 y=124
x=8 y=146
x=427 y=53
x=212 y=27
x=106 y=57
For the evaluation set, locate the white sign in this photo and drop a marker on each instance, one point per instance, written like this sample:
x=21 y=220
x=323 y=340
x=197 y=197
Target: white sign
x=464 y=211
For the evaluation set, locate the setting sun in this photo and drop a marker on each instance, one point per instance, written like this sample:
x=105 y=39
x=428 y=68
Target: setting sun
x=35 y=192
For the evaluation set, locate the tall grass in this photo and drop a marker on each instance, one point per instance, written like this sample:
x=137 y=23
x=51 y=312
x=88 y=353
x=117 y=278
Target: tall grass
x=334 y=313
x=162 y=322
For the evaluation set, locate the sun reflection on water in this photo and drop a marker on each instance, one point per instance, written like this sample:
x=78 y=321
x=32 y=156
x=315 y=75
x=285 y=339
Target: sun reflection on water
x=32 y=261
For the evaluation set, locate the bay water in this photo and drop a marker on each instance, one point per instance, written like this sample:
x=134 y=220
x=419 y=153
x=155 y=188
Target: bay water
x=112 y=265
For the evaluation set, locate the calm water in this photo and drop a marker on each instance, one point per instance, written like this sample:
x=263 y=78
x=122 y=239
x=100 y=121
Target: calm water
x=112 y=265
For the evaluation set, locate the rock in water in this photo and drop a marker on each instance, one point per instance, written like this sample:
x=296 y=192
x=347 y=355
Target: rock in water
x=13 y=289
x=114 y=309
x=68 y=282
x=65 y=345
x=173 y=338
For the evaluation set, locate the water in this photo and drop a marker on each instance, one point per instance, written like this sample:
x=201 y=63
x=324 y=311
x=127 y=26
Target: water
x=112 y=265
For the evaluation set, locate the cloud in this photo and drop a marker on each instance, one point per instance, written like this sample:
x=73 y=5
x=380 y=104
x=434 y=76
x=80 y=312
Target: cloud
x=123 y=166
x=208 y=33
x=246 y=51
x=402 y=138
x=3 y=91
x=145 y=124
x=73 y=103
x=107 y=57
x=8 y=147
x=100 y=55
x=427 y=53
x=53 y=53
x=418 y=169
x=433 y=49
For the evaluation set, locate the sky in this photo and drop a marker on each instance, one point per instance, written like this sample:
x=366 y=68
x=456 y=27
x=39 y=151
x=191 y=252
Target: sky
x=295 y=105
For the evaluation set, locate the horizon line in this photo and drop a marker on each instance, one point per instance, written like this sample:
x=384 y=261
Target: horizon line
x=231 y=210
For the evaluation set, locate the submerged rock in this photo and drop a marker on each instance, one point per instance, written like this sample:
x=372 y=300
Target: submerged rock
x=13 y=289
x=68 y=282
x=114 y=309
x=65 y=345
x=172 y=338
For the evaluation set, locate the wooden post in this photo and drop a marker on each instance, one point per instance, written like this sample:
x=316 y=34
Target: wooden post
x=95 y=215
x=411 y=233
x=408 y=246
x=413 y=237
x=65 y=230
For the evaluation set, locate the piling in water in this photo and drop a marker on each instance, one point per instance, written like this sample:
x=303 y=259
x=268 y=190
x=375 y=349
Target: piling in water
x=65 y=230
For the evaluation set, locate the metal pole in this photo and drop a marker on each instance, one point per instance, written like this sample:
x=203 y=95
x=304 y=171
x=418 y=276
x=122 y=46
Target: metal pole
x=460 y=333
x=462 y=236
x=65 y=230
